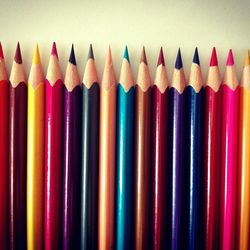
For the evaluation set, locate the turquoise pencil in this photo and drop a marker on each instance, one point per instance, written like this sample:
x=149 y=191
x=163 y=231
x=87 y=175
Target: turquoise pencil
x=124 y=173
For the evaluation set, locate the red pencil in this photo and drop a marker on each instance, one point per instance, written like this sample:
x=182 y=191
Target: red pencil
x=4 y=100
x=53 y=152
x=212 y=153
x=159 y=149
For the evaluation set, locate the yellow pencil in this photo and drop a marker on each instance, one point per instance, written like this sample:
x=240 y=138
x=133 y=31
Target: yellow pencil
x=35 y=155
x=244 y=159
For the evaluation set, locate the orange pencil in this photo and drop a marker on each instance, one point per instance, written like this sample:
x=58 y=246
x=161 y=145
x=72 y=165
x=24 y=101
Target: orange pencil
x=244 y=159
x=107 y=156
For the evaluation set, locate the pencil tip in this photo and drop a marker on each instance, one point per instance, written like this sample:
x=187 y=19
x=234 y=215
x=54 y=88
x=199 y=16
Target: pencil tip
x=126 y=55
x=247 y=59
x=213 y=59
x=109 y=56
x=91 y=53
x=18 y=55
x=36 y=56
x=161 y=60
x=230 y=58
x=178 y=62
x=143 y=56
x=72 y=58
x=196 y=57
x=54 y=50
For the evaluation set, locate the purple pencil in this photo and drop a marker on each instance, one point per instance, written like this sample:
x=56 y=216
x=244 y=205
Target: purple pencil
x=175 y=151
x=71 y=156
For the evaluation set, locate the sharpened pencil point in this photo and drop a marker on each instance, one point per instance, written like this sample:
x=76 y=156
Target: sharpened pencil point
x=196 y=57
x=125 y=55
x=109 y=56
x=213 y=59
x=54 y=50
x=161 y=60
x=36 y=56
x=178 y=62
x=1 y=51
x=91 y=53
x=247 y=59
x=143 y=56
x=230 y=58
x=72 y=58
x=18 y=55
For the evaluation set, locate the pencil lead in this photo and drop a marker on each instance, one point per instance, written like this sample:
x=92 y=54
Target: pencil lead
x=36 y=56
x=213 y=60
x=72 y=58
x=178 y=62
x=247 y=59
x=91 y=53
x=54 y=50
x=230 y=58
x=1 y=51
x=143 y=56
x=18 y=55
x=161 y=60
x=125 y=55
x=196 y=59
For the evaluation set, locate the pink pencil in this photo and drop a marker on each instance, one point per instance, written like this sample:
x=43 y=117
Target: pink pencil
x=229 y=147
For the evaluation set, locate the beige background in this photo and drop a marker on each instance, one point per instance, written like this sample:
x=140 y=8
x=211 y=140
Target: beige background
x=171 y=24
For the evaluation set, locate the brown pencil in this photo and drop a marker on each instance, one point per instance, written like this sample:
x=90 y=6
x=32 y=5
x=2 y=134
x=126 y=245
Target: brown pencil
x=107 y=156
x=142 y=159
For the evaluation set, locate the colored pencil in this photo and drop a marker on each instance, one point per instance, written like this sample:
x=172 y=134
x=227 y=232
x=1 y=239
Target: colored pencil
x=17 y=153
x=244 y=159
x=53 y=152
x=107 y=156
x=124 y=161
x=4 y=88
x=35 y=154
x=90 y=149
x=159 y=150
x=211 y=160
x=193 y=171
x=229 y=150
x=142 y=155
x=71 y=156
x=175 y=155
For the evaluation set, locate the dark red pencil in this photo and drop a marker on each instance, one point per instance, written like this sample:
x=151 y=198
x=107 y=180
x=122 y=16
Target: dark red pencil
x=212 y=154
x=159 y=149
x=17 y=153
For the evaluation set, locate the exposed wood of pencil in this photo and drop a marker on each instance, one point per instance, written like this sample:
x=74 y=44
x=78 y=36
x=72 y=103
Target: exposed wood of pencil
x=35 y=154
x=142 y=155
x=17 y=153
